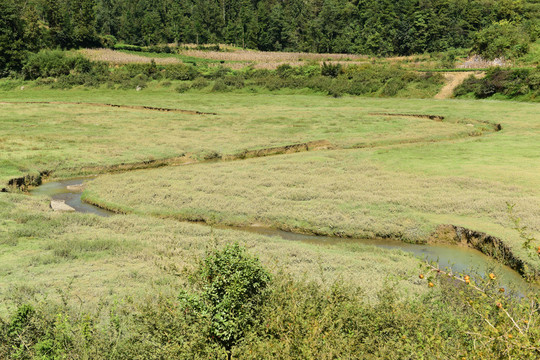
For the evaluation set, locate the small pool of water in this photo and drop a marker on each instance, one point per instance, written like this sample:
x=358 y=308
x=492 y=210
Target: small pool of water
x=57 y=190
x=459 y=259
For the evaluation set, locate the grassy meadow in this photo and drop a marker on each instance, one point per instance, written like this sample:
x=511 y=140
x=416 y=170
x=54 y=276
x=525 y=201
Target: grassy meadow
x=64 y=138
x=91 y=259
x=392 y=187
x=117 y=287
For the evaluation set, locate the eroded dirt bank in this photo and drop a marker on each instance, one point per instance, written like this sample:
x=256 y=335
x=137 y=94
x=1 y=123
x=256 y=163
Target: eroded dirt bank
x=26 y=182
x=489 y=245
x=485 y=243
x=132 y=107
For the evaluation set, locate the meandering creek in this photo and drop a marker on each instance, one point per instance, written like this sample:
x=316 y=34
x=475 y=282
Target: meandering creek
x=460 y=259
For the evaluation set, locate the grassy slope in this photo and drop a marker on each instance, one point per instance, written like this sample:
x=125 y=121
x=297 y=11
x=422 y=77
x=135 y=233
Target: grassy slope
x=64 y=137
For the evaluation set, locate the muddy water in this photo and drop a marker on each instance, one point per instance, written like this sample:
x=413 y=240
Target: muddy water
x=57 y=190
x=457 y=258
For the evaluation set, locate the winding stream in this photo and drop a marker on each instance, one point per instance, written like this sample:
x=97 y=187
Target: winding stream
x=460 y=259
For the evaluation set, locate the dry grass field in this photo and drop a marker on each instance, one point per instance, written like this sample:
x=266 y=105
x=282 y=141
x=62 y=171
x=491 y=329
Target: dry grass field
x=237 y=59
x=119 y=58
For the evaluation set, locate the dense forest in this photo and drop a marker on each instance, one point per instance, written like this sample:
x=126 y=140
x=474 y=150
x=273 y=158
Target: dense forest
x=380 y=27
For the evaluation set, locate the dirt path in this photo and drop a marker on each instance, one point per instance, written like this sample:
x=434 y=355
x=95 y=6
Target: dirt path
x=453 y=80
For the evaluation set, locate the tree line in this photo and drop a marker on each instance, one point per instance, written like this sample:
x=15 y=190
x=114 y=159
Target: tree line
x=375 y=27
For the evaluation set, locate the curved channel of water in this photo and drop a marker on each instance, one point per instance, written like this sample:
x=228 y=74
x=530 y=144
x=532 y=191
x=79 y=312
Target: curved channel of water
x=458 y=258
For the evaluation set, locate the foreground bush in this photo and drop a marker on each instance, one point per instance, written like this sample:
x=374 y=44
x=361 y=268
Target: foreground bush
x=232 y=308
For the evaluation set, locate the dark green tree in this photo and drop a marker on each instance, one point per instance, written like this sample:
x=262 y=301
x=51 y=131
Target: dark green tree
x=502 y=39
x=84 y=23
x=12 y=31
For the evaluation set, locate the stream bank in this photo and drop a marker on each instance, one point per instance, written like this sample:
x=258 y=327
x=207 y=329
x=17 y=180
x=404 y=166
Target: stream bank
x=458 y=257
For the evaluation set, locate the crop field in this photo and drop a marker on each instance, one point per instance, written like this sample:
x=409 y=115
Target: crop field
x=236 y=58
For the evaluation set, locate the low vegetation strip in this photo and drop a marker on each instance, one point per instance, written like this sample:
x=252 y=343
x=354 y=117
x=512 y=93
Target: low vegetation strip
x=134 y=107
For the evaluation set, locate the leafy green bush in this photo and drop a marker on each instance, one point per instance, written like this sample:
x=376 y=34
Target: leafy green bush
x=509 y=83
x=219 y=86
x=54 y=63
x=332 y=70
x=285 y=71
x=150 y=70
x=501 y=40
x=235 y=81
x=108 y=41
x=200 y=83
x=392 y=87
x=181 y=72
x=182 y=87
x=232 y=288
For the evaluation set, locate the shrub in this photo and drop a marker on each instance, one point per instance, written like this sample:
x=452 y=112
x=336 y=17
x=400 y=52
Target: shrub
x=338 y=87
x=362 y=87
x=510 y=83
x=219 y=86
x=332 y=70
x=150 y=70
x=108 y=41
x=236 y=81
x=46 y=63
x=183 y=87
x=392 y=87
x=232 y=287
x=181 y=72
x=218 y=72
x=200 y=83
x=285 y=71
x=319 y=83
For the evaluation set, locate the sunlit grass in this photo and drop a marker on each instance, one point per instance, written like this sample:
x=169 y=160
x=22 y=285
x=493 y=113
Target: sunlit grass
x=44 y=254
x=65 y=137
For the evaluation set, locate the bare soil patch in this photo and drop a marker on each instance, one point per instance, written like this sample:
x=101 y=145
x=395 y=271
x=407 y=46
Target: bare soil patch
x=453 y=80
